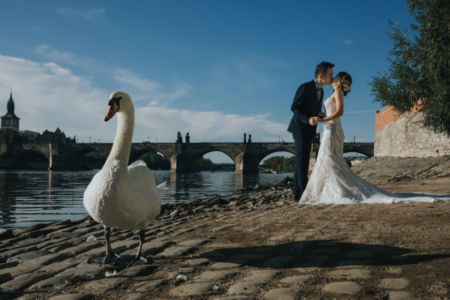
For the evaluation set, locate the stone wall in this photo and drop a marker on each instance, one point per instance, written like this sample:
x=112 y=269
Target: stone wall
x=406 y=137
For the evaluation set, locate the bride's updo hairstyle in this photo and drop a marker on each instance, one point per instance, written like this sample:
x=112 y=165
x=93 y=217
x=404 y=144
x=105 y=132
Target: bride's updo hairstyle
x=346 y=82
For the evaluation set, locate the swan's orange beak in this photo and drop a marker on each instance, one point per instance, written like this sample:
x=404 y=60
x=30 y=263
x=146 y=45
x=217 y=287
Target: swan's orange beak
x=113 y=108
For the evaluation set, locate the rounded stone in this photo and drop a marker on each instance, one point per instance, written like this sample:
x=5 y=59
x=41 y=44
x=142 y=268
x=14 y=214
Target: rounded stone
x=191 y=289
x=298 y=279
x=394 y=283
x=399 y=295
x=394 y=270
x=342 y=287
x=350 y=273
x=282 y=294
x=244 y=288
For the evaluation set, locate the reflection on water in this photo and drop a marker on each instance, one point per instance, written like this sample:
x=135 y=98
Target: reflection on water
x=31 y=197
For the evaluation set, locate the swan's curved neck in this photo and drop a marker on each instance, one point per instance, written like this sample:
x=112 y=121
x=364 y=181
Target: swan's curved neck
x=124 y=135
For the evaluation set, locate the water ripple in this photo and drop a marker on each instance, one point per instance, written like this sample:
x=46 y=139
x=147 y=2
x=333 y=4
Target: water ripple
x=31 y=197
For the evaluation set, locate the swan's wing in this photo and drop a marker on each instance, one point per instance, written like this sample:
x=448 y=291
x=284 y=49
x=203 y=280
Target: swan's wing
x=162 y=185
x=141 y=177
x=142 y=193
x=162 y=188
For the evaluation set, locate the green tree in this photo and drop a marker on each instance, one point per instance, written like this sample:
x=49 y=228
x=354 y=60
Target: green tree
x=203 y=164
x=420 y=65
x=280 y=163
x=155 y=161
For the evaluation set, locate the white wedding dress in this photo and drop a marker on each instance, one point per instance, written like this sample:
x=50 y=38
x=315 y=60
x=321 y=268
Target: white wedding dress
x=333 y=182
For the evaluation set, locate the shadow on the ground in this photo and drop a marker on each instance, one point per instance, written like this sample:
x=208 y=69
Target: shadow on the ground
x=319 y=253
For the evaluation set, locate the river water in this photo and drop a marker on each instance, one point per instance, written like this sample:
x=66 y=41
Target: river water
x=31 y=197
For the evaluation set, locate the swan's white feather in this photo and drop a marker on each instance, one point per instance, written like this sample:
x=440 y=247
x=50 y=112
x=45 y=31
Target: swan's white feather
x=162 y=185
x=124 y=198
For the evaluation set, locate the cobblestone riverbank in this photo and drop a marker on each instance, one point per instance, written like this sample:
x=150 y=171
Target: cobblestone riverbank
x=255 y=244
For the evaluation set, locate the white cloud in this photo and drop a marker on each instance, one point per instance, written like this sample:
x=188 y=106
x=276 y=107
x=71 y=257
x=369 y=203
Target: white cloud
x=74 y=12
x=85 y=63
x=48 y=95
x=204 y=125
x=142 y=88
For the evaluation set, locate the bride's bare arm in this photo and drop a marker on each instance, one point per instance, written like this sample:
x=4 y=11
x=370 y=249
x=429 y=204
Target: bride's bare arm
x=339 y=102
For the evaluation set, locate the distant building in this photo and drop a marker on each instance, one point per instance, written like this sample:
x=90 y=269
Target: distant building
x=54 y=137
x=32 y=136
x=10 y=120
x=9 y=131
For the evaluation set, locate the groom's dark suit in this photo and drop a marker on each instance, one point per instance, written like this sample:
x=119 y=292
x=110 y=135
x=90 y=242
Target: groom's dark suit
x=306 y=104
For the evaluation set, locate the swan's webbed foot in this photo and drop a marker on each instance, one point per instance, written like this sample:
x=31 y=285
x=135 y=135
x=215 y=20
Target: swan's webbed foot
x=110 y=258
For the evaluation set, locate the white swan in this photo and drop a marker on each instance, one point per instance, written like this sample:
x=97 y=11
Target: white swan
x=122 y=196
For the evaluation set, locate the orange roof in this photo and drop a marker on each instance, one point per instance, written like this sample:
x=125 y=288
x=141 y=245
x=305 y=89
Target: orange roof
x=389 y=114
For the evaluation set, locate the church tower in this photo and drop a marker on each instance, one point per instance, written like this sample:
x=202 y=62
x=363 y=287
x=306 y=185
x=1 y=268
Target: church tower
x=10 y=120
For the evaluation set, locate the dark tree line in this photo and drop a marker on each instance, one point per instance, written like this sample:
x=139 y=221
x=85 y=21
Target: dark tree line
x=280 y=164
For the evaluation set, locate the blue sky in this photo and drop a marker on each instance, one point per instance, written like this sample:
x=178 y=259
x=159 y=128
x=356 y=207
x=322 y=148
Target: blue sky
x=214 y=68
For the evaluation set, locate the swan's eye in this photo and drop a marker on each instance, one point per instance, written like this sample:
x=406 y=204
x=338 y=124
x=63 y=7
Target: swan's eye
x=115 y=100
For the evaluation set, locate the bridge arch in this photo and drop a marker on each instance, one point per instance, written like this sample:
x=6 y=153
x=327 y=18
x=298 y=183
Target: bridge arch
x=275 y=154
x=268 y=152
x=78 y=160
x=136 y=153
x=201 y=154
x=367 y=150
x=192 y=156
x=218 y=154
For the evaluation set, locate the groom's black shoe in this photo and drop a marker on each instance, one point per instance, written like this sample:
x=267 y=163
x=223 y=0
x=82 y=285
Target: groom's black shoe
x=296 y=197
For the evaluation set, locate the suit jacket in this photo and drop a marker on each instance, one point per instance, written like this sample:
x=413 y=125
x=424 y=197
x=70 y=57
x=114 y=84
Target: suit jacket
x=305 y=105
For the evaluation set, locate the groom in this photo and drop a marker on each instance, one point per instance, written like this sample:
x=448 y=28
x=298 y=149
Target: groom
x=307 y=106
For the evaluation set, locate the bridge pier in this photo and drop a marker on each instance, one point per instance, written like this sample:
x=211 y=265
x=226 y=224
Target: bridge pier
x=173 y=163
x=245 y=164
x=50 y=157
x=183 y=158
x=180 y=163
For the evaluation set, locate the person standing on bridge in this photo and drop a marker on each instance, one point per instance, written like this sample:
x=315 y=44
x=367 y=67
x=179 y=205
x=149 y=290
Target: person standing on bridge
x=307 y=107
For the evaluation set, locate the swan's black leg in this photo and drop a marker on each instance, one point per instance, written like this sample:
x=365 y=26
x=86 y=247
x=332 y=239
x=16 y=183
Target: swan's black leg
x=110 y=257
x=139 y=253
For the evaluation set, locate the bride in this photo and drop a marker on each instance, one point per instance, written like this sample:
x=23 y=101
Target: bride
x=332 y=181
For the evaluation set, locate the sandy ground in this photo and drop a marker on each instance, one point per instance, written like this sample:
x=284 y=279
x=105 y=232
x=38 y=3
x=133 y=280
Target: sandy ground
x=257 y=245
x=434 y=186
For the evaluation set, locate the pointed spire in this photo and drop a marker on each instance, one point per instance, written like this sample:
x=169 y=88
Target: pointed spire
x=10 y=120
x=10 y=105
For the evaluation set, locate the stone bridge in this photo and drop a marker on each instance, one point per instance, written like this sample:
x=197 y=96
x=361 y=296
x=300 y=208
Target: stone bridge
x=182 y=156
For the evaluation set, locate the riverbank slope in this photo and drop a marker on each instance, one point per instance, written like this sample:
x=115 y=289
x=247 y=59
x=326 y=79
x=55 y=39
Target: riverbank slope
x=256 y=244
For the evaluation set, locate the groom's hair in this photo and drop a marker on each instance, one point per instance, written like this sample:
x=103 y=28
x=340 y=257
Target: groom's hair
x=322 y=68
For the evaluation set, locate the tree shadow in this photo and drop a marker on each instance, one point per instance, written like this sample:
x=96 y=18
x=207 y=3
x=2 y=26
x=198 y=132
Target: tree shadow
x=318 y=253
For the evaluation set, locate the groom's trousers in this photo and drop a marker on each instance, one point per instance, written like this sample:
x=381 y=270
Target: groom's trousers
x=303 y=150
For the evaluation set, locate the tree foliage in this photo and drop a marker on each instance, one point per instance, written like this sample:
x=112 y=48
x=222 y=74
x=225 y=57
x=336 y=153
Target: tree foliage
x=280 y=164
x=156 y=161
x=420 y=65
x=203 y=164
